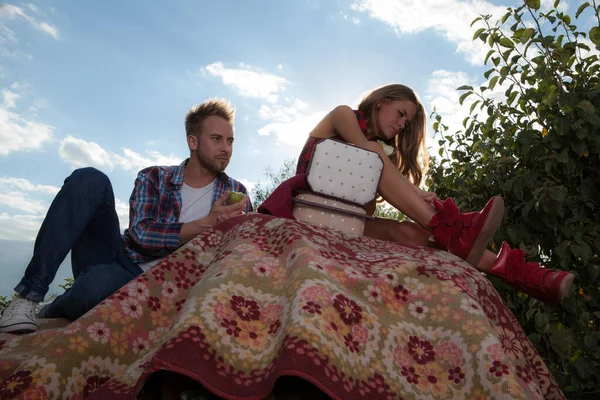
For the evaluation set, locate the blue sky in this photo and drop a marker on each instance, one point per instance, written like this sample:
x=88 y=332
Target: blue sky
x=108 y=83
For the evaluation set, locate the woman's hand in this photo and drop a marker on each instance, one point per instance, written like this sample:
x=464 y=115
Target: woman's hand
x=427 y=196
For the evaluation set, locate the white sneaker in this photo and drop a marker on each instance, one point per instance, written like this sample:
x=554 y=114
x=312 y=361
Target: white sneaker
x=19 y=316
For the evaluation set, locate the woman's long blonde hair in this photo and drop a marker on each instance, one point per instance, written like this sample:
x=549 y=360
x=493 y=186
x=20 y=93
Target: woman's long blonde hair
x=410 y=155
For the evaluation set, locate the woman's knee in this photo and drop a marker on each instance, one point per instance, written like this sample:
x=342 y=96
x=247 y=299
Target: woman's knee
x=410 y=233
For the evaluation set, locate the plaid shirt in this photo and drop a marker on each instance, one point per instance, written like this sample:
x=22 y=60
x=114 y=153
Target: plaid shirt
x=154 y=209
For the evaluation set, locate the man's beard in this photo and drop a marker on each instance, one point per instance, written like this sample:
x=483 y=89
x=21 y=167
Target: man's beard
x=214 y=166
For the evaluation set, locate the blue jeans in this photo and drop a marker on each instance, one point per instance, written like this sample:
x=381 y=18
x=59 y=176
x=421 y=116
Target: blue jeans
x=81 y=219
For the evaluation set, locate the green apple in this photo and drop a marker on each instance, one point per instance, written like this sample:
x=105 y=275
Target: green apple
x=387 y=149
x=235 y=197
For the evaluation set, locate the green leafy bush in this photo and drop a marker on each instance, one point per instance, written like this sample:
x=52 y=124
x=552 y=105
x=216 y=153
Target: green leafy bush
x=533 y=136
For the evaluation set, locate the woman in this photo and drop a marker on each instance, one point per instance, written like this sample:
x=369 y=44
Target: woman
x=394 y=115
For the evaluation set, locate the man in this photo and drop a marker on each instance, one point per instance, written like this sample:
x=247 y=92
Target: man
x=168 y=207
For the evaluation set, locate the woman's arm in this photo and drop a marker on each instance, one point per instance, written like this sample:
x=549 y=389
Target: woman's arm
x=341 y=120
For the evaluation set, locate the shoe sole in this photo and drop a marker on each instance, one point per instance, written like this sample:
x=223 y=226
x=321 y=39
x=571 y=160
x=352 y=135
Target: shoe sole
x=490 y=226
x=19 y=328
x=565 y=285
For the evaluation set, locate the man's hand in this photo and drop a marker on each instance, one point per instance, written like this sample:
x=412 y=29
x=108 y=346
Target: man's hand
x=219 y=212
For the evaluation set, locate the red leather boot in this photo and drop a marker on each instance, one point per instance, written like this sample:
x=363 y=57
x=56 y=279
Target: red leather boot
x=544 y=284
x=466 y=235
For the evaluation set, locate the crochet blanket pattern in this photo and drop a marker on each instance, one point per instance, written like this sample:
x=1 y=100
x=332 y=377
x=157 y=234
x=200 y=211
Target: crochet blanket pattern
x=259 y=297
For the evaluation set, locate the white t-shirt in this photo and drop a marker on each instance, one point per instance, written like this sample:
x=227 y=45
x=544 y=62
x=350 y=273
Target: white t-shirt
x=195 y=204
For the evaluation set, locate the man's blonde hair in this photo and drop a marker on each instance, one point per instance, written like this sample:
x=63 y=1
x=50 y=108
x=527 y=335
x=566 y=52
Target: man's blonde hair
x=212 y=107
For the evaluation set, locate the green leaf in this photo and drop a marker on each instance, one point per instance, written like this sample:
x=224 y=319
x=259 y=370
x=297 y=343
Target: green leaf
x=591 y=269
x=590 y=340
x=562 y=157
x=487 y=56
x=465 y=87
x=541 y=319
x=595 y=35
x=493 y=82
x=558 y=193
x=586 y=106
x=506 y=42
x=535 y=338
x=535 y=4
x=581 y=8
x=487 y=73
x=579 y=147
x=550 y=95
x=478 y=32
x=583 y=368
x=464 y=96
x=475 y=20
x=525 y=138
x=561 y=249
x=527 y=34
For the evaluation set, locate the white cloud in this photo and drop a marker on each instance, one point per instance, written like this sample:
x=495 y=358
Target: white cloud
x=9 y=98
x=34 y=199
x=451 y=18
x=19 y=227
x=20 y=194
x=122 y=209
x=547 y=5
x=81 y=153
x=10 y=11
x=441 y=91
x=26 y=226
x=24 y=196
x=289 y=119
x=248 y=184
x=132 y=161
x=33 y=8
x=18 y=133
x=21 y=201
x=442 y=96
x=48 y=29
x=248 y=81
x=7 y=36
x=290 y=124
x=25 y=185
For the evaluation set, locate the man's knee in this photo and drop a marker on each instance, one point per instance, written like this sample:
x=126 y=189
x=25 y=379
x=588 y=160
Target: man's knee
x=89 y=176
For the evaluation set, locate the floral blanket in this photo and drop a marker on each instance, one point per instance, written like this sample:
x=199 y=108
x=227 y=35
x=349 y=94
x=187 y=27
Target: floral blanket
x=260 y=297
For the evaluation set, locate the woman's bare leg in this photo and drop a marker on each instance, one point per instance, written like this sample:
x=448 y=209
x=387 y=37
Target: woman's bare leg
x=404 y=232
x=401 y=194
x=409 y=233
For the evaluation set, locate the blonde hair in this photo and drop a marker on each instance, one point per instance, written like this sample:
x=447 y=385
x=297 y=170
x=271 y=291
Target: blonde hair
x=410 y=155
x=212 y=107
